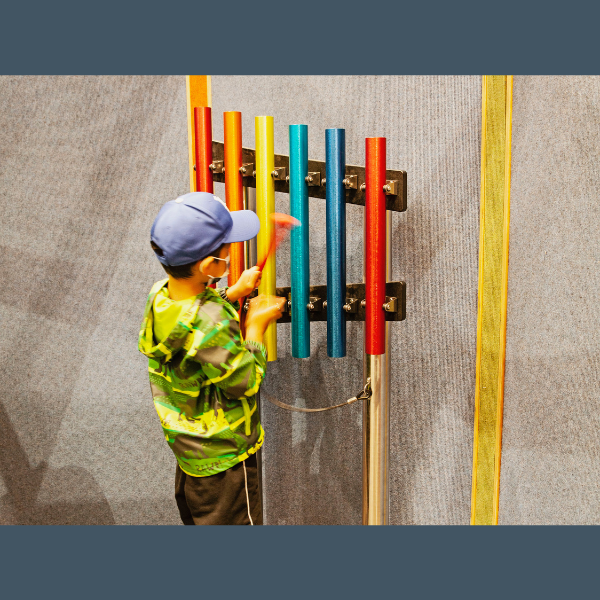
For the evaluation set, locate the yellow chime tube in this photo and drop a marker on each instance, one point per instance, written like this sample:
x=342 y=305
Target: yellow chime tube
x=265 y=206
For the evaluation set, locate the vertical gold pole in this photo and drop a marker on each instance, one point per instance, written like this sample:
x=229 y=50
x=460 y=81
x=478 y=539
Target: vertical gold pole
x=265 y=206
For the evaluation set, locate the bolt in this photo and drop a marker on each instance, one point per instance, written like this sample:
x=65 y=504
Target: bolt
x=363 y=187
x=387 y=188
x=363 y=303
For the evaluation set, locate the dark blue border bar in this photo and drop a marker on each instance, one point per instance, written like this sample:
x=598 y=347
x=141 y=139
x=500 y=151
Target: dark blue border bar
x=299 y=562
x=274 y=38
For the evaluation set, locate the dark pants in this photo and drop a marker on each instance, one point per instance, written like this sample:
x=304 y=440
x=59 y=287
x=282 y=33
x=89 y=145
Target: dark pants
x=220 y=499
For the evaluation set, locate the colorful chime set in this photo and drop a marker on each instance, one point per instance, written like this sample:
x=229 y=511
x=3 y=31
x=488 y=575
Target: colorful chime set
x=335 y=306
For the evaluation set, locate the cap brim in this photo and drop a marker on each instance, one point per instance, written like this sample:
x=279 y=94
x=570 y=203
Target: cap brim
x=245 y=226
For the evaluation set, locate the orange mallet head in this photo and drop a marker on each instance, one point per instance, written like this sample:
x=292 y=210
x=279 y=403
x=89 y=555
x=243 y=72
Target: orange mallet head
x=282 y=225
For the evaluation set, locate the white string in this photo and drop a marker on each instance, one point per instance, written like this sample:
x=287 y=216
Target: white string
x=247 y=497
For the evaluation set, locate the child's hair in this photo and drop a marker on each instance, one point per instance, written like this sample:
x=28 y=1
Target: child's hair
x=183 y=271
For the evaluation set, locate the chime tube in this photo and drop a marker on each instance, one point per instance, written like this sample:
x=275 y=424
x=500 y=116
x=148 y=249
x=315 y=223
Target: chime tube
x=265 y=206
x=203 y=148
x=299 y=240
x=234 y=196
x=375 y=258
x=335 y=154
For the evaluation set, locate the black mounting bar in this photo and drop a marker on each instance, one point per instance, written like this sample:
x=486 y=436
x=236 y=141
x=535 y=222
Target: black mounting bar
x=394 y=307
x=395 y=198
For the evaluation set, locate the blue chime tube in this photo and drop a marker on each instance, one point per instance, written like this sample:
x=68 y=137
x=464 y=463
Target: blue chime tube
x=335 y=156
x=299 y=240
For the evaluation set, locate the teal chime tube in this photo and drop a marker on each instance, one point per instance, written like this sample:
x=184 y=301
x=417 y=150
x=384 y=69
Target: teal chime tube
x=335 y=156
x=299 y=258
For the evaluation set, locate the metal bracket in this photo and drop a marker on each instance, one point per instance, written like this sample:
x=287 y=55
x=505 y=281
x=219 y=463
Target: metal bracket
x=354 y=195
x=217 y=167
x=247 y=169
x=391 y=187
x=313 y=178
x=315 y=304
x=355 y=307
x=351 y=182
x=278 y=173
x=391 y=304
x=351 y=305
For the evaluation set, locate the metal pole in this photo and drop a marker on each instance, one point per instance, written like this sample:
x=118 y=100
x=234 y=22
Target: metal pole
x=376 y=423
x=376 y=411
x=250 y=259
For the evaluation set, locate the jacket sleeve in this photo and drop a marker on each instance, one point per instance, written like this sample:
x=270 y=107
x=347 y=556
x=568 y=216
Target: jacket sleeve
x=223 y=293
x=234 y=366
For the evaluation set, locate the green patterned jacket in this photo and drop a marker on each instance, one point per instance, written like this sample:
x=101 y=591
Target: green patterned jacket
x=204 y=379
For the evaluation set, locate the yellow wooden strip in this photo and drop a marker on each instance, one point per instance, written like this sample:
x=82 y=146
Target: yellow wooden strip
x=198 y=93
x=493 y=281
x=504 y=294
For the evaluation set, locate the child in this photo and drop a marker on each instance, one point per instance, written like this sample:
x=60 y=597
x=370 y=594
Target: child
x=204 y=377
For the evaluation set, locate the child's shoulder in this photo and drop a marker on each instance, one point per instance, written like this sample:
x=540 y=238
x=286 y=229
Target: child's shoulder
x=215 y=308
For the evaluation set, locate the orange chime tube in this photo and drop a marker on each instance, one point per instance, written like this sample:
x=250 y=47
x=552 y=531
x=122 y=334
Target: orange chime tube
x=203 y=148
x=234 y=194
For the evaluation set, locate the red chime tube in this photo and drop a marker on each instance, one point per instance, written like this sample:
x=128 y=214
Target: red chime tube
x=375 y=258
x=234 y=195
x=203 y=148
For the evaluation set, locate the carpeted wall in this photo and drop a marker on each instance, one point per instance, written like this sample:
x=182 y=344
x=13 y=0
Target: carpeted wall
x=86 y=164
x=312 y=462
x=550 y=455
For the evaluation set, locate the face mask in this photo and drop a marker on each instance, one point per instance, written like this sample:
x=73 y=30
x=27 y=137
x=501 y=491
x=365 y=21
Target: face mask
x=212 y=280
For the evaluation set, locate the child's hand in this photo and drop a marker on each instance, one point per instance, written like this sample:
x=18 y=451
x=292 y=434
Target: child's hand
x=263 y=309
x=247 y=283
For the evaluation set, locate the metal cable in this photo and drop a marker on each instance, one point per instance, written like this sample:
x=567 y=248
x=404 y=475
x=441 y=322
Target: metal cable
x=363 y=395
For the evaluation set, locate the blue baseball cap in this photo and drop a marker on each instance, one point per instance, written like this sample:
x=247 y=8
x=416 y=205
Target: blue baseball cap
x=194 y=225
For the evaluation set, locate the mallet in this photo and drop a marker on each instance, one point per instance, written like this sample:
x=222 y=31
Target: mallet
x=282 y=225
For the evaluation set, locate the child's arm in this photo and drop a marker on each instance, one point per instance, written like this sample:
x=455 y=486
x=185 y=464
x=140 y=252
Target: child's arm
x=249 y=280
x=234 y=366
x=263 y=310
